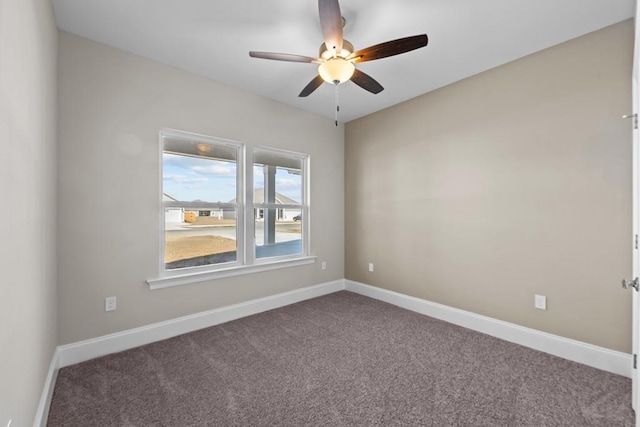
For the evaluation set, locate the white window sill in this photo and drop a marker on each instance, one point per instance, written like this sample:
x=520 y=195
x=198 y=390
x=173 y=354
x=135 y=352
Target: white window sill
x=186 y=278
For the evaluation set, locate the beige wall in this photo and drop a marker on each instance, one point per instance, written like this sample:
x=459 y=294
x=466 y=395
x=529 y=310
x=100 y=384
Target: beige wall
x=28 y=46
x=111 y=107
x=513 y=182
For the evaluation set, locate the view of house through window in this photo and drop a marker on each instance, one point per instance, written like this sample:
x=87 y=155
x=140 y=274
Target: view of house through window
x=200 y=180
x=207 y=220
x=277 y=197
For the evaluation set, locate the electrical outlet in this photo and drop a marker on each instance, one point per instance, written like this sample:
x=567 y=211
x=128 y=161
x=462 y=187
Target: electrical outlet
x=323 y=266
x=110 y=304
x=370 y=267
x=540 y=302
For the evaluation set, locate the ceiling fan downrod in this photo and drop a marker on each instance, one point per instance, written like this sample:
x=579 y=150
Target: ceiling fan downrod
x=337 y=98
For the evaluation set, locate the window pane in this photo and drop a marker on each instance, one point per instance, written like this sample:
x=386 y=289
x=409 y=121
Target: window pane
x=199 y=198
x=283 y=173
x=278 y=232
x=198 y=179
x=199 y=239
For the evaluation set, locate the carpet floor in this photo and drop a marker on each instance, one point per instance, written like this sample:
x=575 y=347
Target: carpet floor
x=338 y=360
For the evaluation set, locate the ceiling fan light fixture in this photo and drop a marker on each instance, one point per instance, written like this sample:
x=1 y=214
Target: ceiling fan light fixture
x=336 y=70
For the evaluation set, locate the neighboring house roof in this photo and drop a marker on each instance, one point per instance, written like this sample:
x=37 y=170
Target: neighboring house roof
x=171 y=202
x=281 y=199
x=258 y=197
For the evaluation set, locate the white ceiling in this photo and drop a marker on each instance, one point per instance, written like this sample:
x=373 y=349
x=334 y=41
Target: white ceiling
x=212 y=38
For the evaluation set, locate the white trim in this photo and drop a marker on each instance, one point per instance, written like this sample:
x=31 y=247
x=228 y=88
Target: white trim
x=201 y=276
x=42 y=413
x=635 y=329
x=587 y=354
x=85 y=350
x=598 y=357
x=247 y=215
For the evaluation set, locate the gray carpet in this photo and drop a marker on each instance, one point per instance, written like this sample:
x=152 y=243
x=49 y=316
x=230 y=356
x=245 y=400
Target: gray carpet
x=339 y=360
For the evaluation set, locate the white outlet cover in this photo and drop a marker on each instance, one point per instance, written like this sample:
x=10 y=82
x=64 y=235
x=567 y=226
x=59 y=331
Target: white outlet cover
x=540 y=302
x=371 y=267
x=110 y=303
x=324 y=265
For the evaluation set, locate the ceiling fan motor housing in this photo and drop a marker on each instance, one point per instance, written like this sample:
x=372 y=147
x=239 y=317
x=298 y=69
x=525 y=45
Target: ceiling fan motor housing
x=347 y=49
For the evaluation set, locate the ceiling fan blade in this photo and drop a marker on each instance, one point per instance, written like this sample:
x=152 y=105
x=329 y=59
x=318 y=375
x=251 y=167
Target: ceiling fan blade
x=366 y=82
x=313 y=85
x=390 y=48
x=284 y=57
x=331 y=23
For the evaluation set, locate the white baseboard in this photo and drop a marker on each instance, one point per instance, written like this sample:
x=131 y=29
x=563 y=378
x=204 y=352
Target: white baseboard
x=577 y=351
x=70 y=354
x=587 y=354
x=42 y=412
x=90 y=349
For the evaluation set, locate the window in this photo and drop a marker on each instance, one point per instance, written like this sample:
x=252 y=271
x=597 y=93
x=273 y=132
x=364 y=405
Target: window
x=277 y=199
x=230 y=206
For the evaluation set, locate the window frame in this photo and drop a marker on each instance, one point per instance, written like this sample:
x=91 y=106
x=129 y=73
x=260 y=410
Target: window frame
x=250 y=215
x=246 y=260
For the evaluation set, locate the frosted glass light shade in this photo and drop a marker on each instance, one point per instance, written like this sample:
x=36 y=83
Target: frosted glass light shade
x=336 y=69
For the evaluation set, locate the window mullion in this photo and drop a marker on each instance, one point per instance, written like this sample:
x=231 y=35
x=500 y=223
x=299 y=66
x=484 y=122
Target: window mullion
x=249 y=226
x=306 y=202
x=239 y=206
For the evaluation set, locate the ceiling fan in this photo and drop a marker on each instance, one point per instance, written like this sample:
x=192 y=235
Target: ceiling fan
x=337 y=56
